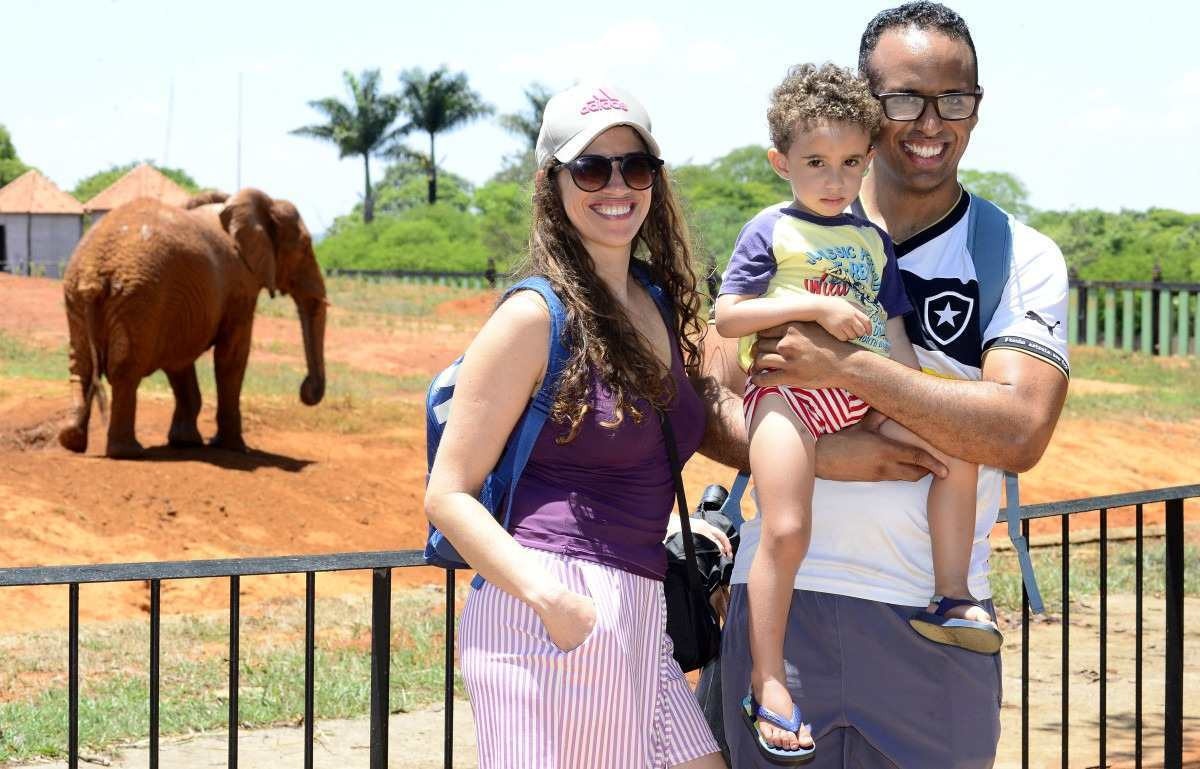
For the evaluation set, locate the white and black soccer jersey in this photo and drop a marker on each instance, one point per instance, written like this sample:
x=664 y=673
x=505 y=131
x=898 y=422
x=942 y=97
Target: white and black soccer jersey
x=871 y=540
x=946 y=326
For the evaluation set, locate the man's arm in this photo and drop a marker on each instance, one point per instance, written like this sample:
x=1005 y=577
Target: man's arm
x=857 y=453
x=1005 y=420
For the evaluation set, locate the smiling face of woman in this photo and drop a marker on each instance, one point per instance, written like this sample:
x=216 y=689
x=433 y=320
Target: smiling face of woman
x=607 y=220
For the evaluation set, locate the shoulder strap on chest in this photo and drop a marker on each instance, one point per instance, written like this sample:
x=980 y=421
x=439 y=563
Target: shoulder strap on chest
x=989 y=241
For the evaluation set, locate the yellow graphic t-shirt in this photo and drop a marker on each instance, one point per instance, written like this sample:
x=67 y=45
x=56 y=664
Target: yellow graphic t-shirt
x=785 y=251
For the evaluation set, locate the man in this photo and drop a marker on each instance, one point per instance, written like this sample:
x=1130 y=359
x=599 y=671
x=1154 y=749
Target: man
x=876 y=693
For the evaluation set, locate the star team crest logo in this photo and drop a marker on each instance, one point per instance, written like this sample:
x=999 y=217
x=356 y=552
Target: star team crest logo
x=946 y=316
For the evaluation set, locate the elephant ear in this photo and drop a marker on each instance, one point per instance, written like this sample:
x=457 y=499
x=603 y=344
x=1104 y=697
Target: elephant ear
x=247 y=219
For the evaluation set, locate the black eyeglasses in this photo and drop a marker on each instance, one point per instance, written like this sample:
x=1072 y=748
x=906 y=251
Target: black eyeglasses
x=949 y=106
x=592 y=173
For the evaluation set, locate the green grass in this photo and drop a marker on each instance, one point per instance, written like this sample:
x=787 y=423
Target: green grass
x=1169 y=387
x=361 y=296
x=1085 y=572
x=113 y=705
x=21 y=360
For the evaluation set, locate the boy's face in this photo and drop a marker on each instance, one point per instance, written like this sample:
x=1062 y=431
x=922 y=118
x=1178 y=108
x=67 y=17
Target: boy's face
x=825 y=165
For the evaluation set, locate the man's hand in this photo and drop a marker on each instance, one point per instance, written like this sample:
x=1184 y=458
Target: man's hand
x=859 y=453
x=800 y=355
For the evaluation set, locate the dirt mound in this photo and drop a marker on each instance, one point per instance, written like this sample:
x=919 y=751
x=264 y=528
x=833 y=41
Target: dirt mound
x=480 y=305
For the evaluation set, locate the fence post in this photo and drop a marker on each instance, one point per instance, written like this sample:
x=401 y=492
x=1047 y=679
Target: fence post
x=1092 y=306
x=1164 y=322
x=1173 y=710
x=1073 y=315
x=1127 y=320
x=1196 y=325
x=1181 y=344
x=381 y=664
x=1110 y=318
x=1146 y=322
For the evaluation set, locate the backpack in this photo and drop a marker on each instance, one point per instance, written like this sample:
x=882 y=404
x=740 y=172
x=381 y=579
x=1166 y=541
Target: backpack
x=499 y=486
x=989 y=239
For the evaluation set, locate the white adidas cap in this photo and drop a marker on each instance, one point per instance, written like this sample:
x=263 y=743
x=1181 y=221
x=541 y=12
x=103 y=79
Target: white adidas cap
x=576 y=116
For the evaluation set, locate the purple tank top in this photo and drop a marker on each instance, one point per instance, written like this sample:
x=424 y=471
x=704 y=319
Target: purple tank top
x=607 y=495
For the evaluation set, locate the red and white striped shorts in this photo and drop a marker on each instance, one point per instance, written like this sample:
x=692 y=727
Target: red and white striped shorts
x=823 y=410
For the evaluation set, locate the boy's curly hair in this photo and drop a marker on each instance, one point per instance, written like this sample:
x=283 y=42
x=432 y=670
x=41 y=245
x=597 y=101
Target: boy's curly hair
x=811 y=94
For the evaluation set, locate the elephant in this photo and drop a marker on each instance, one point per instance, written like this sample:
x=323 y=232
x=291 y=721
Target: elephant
x=153 y=286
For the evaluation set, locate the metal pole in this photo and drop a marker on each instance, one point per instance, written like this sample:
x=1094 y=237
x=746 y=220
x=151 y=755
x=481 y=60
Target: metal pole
x=381 y=644
x=1173 y=710
x=448 y=747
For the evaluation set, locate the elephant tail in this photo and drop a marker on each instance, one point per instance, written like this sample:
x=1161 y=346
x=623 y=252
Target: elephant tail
x=95 y=388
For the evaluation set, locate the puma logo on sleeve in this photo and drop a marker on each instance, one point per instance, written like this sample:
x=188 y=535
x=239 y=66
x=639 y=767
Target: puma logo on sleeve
x=1037 y=318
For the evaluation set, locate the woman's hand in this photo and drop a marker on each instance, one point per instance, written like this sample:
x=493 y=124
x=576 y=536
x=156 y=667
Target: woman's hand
x=704 y=529
x=569 y=619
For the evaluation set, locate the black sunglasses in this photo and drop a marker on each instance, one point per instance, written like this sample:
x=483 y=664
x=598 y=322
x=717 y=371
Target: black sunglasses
x=592 y=173
x=908 y=107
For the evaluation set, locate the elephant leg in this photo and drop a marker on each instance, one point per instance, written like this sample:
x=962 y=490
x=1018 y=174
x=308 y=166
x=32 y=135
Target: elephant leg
x=74 y=435
x=122 y=439
x=184 y=433
x=229 y=365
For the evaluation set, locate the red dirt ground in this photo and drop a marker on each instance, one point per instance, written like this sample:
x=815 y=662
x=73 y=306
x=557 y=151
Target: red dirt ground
x=307 y=490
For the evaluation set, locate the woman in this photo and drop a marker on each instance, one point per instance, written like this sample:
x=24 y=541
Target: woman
x=563 y=648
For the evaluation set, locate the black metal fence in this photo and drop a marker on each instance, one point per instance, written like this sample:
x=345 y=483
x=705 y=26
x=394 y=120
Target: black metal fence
x=381 y=565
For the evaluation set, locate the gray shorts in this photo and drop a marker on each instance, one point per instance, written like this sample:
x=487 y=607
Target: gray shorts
x=878 y=695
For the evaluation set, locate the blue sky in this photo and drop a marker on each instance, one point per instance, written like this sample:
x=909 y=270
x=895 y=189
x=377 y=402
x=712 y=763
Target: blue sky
x=1089 y=107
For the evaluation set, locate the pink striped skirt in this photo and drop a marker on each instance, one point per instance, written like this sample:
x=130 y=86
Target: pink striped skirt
x=617 y=700
x=821 y=411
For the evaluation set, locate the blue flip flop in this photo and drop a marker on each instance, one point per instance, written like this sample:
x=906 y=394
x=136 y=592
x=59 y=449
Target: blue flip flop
x=982 y=637
x=752 y=711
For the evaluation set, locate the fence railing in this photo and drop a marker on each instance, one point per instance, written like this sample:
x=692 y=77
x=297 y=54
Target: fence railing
x=381 y=565
x=1154 y=318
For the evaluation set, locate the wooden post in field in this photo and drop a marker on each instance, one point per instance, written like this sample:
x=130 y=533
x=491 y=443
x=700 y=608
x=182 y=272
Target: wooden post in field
x=1181 y=345
x=1196 y=326
x=1110 y=318
x=1164 y=322
x=1093 y=302
x=1073 y=316
x=1146 y=326
x=1127 y=320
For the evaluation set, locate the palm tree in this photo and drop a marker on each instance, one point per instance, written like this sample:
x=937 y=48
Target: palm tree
x=360 y=127
x=527 y=123
x=435 y=103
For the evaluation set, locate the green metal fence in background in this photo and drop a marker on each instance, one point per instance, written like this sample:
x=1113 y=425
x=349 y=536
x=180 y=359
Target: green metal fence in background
x=1152 y=318
x=480 y=280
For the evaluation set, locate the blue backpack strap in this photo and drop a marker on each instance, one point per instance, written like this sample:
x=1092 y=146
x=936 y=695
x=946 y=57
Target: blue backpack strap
x=539 y=409
x=516 y=454
x=989 y=241
x=732 y=509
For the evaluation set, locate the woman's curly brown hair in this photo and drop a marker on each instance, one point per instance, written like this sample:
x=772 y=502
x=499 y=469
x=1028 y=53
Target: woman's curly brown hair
x=601 y=339
x=811 y=94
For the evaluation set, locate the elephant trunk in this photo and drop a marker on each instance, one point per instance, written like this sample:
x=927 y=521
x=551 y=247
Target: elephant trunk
x=312 y=324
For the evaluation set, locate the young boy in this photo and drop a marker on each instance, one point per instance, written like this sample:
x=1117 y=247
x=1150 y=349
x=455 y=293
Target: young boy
x=809 y=261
